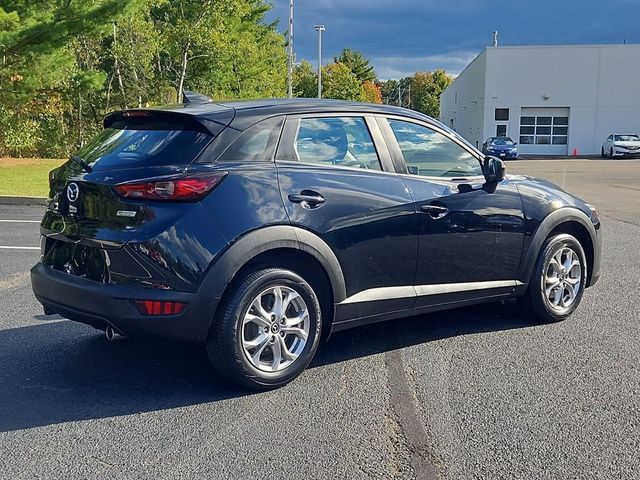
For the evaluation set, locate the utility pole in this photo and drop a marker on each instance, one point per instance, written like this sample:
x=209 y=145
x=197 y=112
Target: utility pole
x=319 y=29
x=291 y=59
x=399 y=94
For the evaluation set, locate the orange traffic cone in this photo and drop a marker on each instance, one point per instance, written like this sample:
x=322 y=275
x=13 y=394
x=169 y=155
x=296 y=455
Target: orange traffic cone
x=575 y=152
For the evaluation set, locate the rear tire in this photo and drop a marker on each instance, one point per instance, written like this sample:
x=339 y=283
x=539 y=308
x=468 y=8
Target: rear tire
x=267 y=329
x=557 y=282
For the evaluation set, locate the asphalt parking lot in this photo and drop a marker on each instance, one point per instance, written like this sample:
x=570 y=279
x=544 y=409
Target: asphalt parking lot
x=471 y=393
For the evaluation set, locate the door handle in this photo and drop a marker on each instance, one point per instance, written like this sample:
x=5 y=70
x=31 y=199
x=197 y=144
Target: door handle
x=435 y=211
x=307 y=199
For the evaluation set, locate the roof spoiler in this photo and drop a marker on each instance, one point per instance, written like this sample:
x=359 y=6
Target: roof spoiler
x=190 y=98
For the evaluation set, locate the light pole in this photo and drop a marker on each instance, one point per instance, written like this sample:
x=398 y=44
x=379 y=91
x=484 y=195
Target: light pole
x=291 y=57
x=319 y=29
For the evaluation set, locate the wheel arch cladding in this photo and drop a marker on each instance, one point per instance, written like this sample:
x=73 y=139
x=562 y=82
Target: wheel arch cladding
x=565 y=220
x=282 y=246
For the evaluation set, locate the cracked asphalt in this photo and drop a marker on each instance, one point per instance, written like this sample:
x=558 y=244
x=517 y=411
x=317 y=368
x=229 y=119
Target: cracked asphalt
x=471 y=393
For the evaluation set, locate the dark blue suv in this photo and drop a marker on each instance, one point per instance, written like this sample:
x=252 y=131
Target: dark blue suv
x=258 y=228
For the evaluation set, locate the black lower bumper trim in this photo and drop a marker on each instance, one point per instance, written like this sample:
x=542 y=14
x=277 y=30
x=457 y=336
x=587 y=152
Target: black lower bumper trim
x=100 y=305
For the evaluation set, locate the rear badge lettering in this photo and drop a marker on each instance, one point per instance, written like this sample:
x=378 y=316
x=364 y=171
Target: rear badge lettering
x=73 y=209
x=126 y=213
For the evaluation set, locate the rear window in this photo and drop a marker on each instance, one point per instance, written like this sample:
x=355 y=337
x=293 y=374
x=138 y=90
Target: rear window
x=141 y=144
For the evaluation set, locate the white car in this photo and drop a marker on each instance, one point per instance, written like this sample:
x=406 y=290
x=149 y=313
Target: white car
x=619 y=145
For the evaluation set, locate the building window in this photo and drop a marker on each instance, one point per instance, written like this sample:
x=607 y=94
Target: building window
x=502 y=114
x=501 y=130
x=544 y=130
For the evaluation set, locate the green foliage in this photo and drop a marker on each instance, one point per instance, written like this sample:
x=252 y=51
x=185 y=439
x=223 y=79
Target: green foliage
x=426 y=88
x=305 y=81
x=340 y=83
x=65 y=64
x=359 y=65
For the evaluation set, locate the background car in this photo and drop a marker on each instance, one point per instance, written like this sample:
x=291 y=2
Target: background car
x=258 y=228
x=620 y=145
x=501 y=147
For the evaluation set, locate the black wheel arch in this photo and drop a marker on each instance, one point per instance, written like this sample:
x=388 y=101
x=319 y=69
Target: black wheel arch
x=569 y=220
x=285 y=246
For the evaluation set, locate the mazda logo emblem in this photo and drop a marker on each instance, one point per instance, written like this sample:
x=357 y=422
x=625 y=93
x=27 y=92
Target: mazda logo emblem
x=72 y=192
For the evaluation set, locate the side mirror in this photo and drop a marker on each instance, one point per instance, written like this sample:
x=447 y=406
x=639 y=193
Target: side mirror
x=494 y=170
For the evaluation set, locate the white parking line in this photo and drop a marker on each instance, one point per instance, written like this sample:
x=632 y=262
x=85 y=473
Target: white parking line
x=6 y=247
x=19 y=221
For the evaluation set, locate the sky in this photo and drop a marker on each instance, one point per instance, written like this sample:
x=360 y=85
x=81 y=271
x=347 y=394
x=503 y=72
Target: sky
x=404 y=36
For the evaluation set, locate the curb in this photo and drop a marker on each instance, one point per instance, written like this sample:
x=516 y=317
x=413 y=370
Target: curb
x=7 y=200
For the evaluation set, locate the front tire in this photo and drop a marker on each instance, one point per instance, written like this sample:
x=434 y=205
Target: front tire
x=602 y=152
x=558 y=280
x=611 y=153
x=267 y=329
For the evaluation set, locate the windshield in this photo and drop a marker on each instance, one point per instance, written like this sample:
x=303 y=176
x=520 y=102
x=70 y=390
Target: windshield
x=627 y=138
x=502 y=141
x=129 y=148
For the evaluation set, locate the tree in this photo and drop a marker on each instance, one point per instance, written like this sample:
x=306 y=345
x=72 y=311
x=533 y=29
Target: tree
x=305 y=81
x=426 y=88
x=65 y=63
x=396 y=92
x=339 y=82
x=359 y=65
x=370 y=92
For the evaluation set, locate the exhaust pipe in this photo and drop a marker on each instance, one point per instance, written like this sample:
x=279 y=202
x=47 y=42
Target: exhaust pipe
x=112 y=335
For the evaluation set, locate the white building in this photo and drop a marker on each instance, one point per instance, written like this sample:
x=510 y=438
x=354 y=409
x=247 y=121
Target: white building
x=552 y=100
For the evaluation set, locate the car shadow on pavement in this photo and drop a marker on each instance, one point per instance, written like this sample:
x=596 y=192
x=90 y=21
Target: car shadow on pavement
x=62 y=371
x=422 y=329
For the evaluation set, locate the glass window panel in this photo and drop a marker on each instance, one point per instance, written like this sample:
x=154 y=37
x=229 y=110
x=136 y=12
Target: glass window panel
x=543 y=131
x=543 y=120
x=526 y=140
x=527 y=120
x=560 y=140
x=431 y=154
x=502 y=114
x=527 y=130
x=257 y=143
x=340 y=141
x=543 y=140
x=560 y=130
x=561 y=120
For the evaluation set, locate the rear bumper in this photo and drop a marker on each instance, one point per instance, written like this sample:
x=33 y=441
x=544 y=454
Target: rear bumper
x=100 y=305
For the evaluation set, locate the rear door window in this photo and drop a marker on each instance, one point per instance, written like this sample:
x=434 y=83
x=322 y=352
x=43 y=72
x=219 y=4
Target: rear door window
x=339 y=141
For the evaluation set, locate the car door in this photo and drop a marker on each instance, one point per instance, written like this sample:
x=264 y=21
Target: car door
x=470 y=234
x=338 y=183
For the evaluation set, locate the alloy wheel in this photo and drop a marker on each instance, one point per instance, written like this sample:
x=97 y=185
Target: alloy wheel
x=275 y=329
x=562 y=280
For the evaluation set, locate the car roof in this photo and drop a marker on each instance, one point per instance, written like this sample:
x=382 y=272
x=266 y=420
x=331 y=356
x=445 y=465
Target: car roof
x=247 y=112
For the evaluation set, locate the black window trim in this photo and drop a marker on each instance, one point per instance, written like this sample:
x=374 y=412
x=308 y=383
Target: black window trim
x=286 y=151
x=398 y=157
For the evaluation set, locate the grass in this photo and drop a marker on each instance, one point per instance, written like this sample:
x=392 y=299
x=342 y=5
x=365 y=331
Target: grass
x=26 y=177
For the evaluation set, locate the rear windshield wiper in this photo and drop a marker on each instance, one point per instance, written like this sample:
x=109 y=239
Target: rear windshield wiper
x=83 y=163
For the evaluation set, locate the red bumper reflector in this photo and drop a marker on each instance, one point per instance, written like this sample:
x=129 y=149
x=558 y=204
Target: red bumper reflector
x=153 y=307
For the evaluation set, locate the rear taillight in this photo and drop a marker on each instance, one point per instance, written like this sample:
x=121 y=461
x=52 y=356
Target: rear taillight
x=154 y=307
x=178 y=189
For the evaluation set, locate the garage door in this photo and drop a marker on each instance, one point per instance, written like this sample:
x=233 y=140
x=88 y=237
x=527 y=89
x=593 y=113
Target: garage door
x=544 y=131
